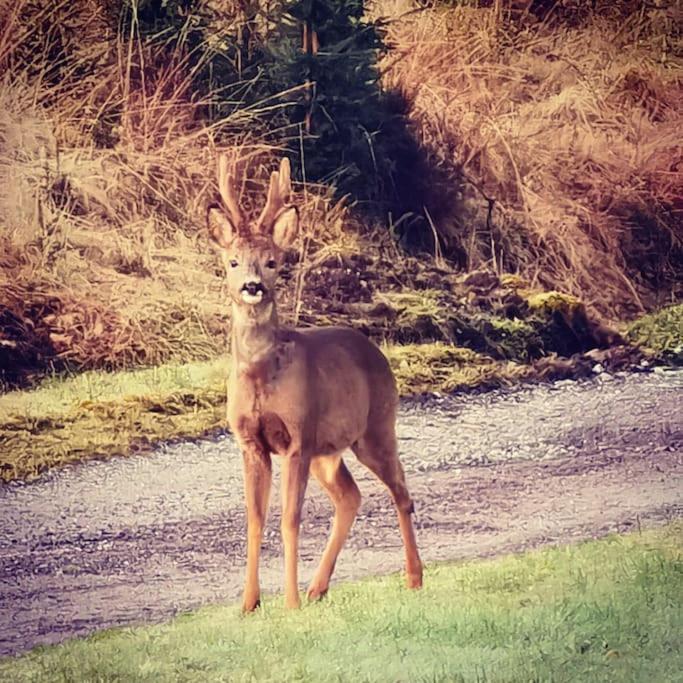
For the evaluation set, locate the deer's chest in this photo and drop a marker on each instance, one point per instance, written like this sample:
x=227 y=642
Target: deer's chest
x=266 y=399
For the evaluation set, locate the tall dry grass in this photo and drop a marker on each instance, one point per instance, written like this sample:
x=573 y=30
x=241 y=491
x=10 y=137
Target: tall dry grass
x=106 y=166
x=555 y=140
x=90 y=233
x=555 y=147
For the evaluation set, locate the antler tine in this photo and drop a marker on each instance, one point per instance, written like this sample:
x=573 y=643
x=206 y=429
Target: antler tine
x=285 y=184
x=273 y=201
x=278 y=193
x=227 y=190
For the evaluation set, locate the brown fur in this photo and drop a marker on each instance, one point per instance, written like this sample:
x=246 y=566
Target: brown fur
x=306 y=395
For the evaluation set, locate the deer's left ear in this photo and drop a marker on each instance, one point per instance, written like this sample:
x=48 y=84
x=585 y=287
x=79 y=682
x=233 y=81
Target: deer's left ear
x=286 y=227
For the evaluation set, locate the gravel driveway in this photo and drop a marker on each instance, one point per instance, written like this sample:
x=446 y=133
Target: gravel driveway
x=140 y=539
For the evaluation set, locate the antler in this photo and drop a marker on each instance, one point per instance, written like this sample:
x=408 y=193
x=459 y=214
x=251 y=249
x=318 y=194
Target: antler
x=227 y=190
x=278 y=193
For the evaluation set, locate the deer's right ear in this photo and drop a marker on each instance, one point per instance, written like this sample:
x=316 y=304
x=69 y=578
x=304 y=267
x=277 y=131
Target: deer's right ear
x=221 y=229
x=286 y=227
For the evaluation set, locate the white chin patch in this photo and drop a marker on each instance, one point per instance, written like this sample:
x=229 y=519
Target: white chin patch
x=252 y=298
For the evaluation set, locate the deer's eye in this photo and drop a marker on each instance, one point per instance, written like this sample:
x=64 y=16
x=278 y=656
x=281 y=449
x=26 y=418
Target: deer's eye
x=270 y=263
x=233 y=263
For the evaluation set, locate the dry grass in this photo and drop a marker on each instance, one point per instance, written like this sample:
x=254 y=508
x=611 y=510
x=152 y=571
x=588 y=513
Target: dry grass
x=104 y=259
x=107 y=158
x=568 y=134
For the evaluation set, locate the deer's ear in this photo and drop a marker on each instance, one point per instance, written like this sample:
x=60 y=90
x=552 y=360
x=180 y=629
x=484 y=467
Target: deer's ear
x=286 y=227
x=221 y=229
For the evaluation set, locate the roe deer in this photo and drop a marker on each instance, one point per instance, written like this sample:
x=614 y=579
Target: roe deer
x=303 y=394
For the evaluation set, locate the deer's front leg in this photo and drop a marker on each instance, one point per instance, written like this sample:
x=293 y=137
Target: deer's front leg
x=257 y=477
x=295 y=468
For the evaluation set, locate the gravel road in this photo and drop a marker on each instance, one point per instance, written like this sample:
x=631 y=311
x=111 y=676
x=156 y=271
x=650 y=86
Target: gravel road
x=139 y=539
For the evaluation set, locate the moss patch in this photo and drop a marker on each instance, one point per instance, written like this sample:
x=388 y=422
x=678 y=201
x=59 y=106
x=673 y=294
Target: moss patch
x=489 y=315
x=661 y=333
x=553 y=301
x=99 y=429
x=422 y=368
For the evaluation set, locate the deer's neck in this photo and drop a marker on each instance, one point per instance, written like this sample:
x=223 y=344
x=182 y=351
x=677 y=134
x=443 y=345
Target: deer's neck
x=254 y=332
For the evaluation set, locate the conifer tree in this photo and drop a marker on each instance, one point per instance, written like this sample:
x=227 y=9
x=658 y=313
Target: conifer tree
x=327 y=50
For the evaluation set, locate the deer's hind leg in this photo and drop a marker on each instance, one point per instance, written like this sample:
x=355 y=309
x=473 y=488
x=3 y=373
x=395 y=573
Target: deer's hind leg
x=335 y=478
x=378 y=451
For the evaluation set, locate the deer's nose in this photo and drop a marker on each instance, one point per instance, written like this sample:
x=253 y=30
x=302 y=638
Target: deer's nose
x=253 y=287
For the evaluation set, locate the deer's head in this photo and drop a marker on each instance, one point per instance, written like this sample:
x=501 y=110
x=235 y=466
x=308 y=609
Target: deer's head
x=253 y=251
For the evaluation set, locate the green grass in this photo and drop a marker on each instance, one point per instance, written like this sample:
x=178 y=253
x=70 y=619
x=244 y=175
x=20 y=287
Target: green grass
x=62 y=392
x=100 y=414
x=608 y=610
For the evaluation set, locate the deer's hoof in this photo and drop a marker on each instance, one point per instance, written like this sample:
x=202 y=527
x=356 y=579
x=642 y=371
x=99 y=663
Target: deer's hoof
x=316 y=591
x=250 y=604
x=414 y=580
x=293 y=602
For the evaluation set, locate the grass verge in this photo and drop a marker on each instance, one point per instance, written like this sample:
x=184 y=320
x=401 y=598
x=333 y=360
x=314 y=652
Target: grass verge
x=98 y=414
x=608 y=610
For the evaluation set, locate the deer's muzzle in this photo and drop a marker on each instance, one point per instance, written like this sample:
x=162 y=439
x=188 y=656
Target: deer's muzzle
x=252 y=292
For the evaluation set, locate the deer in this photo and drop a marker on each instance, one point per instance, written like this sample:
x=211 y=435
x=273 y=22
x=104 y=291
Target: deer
x=305 y=395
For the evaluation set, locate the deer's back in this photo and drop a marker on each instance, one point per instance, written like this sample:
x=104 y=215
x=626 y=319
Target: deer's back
x=350 y=385
x=350 y=358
